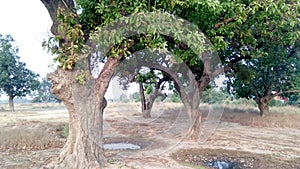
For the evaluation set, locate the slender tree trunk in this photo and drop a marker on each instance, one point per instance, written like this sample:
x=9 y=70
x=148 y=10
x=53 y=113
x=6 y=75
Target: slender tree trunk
x=147 y=111
x=192 y=108
x=148 y=104
x=11 y=104
x=195 y=124
x=142 y=97
x=263 y=105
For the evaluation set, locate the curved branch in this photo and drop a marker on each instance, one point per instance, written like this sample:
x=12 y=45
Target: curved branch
x=283 y=92
x=178 y=85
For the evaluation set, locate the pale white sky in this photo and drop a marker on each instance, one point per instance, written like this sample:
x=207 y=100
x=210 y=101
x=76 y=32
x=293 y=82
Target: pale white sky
x=29 y=23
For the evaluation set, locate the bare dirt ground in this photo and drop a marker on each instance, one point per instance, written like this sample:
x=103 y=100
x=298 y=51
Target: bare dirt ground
x=241 y=137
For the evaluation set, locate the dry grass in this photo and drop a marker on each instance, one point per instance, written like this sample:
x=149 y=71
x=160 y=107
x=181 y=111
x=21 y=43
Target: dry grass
x=247 y=115
x=286 y=109
x=28 y=138
x=33 y=107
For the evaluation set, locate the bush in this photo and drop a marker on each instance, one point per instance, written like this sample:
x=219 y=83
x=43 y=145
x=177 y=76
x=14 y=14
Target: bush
x=277 y=103
x=213 y=96
x=244 y=101
x=175 y=97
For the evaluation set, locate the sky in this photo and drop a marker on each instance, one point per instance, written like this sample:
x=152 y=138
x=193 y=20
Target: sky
x=29 y=23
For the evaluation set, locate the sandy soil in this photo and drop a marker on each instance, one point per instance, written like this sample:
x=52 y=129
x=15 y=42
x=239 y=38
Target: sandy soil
x=161 y=137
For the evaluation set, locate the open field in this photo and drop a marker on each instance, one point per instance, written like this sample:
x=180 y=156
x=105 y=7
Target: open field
x=34 y=135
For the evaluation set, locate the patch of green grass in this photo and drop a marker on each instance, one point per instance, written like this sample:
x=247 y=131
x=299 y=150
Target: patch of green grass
x=66 y=131
x=111 y=160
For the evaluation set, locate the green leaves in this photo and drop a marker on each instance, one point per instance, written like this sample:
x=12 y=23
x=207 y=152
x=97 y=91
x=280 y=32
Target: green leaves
x=68 y=44
x=15 y=78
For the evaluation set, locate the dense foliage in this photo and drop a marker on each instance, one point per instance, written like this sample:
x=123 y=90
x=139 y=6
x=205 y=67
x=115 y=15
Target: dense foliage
x=15 y=79
x=267 y=64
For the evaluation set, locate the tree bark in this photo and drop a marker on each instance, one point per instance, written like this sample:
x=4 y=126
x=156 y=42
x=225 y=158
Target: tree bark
x=263 y=105
x=195 y=124
x=83 y=148
x=11 y=104
x=147 y=104
x=53 y=6
x=143 y=99
x=85 y=104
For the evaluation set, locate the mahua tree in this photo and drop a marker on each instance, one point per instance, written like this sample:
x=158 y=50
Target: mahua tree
x=81 y=87
x=267 y=63
x=15 y=79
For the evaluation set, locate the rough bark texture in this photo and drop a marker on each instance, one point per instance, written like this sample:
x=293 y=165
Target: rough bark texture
x=11 y=104
x=264 y=105
x=83 y=148
x=195 y=125
x=85 y=104
x=53 y=6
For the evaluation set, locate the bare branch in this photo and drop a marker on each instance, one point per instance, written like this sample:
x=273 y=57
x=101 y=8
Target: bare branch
x=224 y=22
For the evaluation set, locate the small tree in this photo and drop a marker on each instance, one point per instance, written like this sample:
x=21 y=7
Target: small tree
x=15 y=79
x=150 y=85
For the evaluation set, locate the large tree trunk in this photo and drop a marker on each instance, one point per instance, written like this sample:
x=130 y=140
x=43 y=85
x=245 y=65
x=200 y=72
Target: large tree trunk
x=11 y=104
x=83 y=148
x=85 y=103
x=263 y=105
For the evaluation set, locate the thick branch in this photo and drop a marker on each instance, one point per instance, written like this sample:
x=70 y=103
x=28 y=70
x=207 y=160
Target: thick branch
x=53 y=6
x=179 y=86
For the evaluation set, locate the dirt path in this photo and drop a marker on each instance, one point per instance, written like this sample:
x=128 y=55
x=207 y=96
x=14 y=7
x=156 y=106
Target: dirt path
x=280 y=142
x=160 y=138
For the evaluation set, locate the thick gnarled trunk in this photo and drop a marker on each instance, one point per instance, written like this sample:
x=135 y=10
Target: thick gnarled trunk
x=83 y=148
x=85 y=103
x=263 y=105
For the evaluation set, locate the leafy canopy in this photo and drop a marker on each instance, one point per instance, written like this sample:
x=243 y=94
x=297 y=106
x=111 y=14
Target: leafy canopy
x=15 y=79
x=267 y=62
